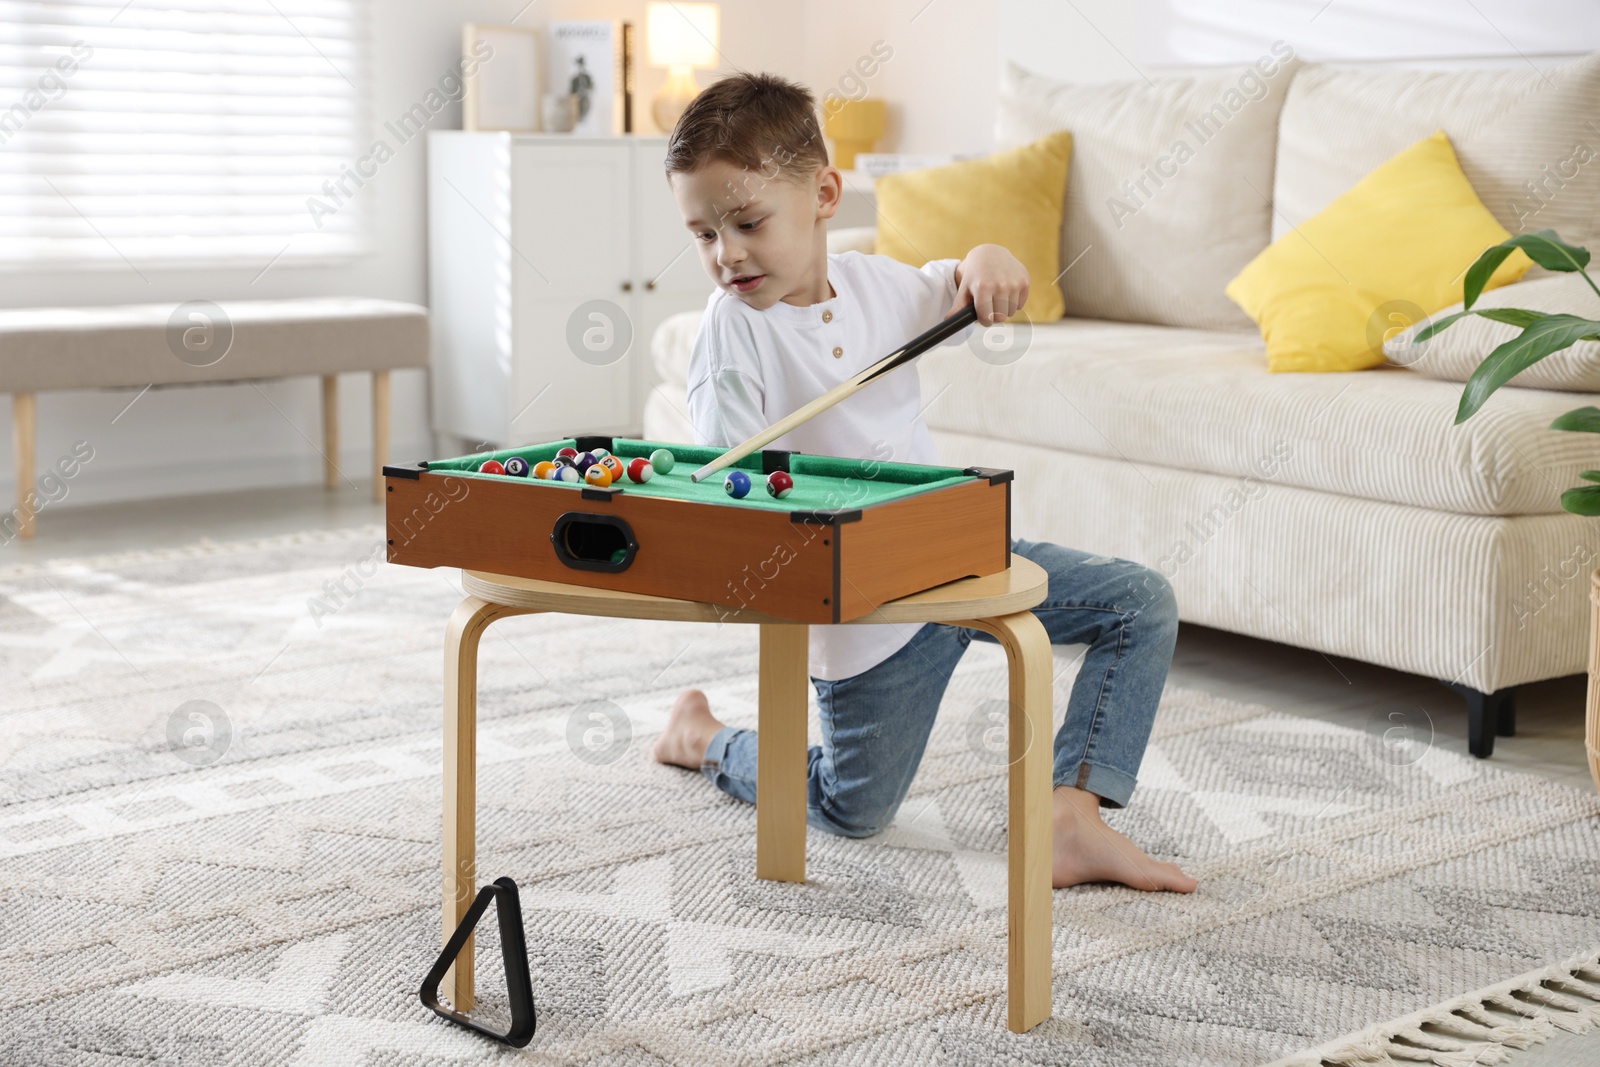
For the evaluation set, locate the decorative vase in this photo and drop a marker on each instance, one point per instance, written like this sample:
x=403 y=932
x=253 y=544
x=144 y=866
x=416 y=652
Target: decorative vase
x=559 y=111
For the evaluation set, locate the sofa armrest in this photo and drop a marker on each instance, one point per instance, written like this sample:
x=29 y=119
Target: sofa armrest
x=853 y=239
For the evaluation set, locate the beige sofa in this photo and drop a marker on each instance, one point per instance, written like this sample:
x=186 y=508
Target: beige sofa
x=1338 y=512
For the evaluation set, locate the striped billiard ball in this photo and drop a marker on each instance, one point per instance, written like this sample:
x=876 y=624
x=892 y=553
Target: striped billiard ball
x=600 y=453
x=517 y=467
x=568 y=453
x=779 y=484
x=491 y=466
x=640 y=470
x=662 y=459
x=737 y=484
x=584 y=460
x=564 y=474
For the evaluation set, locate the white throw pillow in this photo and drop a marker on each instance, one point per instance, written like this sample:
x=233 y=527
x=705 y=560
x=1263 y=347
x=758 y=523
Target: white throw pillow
x=1167 y=187
x=1526 y=139
x=1455 y=352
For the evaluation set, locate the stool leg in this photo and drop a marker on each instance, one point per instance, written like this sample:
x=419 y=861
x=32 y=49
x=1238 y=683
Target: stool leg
x=462 y=635
x=1028 y=823
x=781 y=755
x=22 y=438
x=330 y=431
x=380 y=431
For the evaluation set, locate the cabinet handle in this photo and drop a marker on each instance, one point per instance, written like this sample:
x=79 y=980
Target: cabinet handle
x=651 y=284
x=627 y=287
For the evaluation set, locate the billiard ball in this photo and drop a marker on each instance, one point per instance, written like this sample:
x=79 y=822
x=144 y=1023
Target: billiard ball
x=542 y=469
x=600 y=453
x=563 y=474
x=598 y=474
x=661 y=459
x=584 y=461
x=491 y=466
x=567 y=453
x=614 y=465
x=779 y=484
x=517 y=467
x=640 y=470
x=565 y=461
x=737 y=484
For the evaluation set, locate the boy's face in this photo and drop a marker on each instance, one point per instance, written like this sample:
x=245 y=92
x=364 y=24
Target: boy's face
x=760 y=238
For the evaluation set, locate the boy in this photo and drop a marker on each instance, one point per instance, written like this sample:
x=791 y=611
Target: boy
x=789 y=321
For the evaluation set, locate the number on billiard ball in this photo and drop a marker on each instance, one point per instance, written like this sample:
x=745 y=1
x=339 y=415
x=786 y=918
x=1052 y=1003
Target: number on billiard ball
x=779 y=484
x=491 y=466
x=737 y=484
x=517 y=467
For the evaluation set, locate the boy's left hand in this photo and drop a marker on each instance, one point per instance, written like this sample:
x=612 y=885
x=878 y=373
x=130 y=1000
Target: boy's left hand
x=992 y=280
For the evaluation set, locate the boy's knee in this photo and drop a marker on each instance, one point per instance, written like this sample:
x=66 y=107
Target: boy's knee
x=862 y=822
x=1153 y=598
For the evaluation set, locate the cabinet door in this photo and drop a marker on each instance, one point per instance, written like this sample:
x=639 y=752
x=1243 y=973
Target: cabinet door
x=573 y=341
x=670 y=277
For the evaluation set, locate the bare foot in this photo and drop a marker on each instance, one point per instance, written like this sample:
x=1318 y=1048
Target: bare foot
x=690 y=728
x=1085 y=849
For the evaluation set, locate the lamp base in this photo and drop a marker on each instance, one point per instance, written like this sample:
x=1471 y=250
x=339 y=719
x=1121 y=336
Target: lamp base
x=673 y=98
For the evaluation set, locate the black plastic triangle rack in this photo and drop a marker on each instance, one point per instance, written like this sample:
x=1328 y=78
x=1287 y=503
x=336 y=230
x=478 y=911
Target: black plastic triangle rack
x=519 y=987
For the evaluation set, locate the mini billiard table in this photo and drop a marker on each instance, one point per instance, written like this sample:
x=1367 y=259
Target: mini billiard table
x=852 y=534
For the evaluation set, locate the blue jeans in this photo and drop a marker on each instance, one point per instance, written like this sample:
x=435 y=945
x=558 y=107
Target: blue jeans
x=875 y=724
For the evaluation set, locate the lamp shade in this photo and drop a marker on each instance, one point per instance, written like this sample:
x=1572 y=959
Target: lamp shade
x=682 y=35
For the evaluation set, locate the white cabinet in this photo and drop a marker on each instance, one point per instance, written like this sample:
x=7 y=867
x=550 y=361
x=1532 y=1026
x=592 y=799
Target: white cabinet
x=551 y=261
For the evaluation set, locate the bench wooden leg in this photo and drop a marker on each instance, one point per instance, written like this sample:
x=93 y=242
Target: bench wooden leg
x=330 y=431
x=781 y=756
x=22 y=439
x=1028 y=917
x=462 y=635
x=380 y=431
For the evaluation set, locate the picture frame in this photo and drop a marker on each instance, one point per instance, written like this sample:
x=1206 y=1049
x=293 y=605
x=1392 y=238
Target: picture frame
x=502 y=92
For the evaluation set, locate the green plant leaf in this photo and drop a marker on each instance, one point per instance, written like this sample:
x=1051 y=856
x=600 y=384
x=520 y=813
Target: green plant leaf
x=1549 y=334
x=1584 y=500
x=1544 y=247
x=1437 y=325
x=1511 y=316
x=1590 y=476
x=1580 y=420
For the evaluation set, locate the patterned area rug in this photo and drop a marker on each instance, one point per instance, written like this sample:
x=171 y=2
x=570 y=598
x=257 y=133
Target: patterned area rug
x=220 y=835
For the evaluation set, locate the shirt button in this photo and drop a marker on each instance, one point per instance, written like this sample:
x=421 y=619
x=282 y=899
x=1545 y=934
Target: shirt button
x=837 y=351
x=827 y=316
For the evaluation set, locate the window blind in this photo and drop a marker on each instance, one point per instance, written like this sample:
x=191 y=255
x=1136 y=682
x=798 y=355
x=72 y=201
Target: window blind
x=184 y=132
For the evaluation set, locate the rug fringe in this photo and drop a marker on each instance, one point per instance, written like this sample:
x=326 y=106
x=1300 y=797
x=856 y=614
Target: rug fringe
x=1465 y=1032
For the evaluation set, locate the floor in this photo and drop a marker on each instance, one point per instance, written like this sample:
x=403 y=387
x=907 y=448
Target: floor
x=1550 y=714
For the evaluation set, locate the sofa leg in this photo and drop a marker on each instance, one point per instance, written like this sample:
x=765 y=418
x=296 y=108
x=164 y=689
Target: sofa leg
x=1488 y=715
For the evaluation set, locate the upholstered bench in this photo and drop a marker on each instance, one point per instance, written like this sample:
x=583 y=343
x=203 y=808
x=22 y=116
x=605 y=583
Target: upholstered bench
x=144 y=345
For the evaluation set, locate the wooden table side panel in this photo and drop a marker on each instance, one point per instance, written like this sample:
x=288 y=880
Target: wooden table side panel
x=906 y=546
x=738 y=557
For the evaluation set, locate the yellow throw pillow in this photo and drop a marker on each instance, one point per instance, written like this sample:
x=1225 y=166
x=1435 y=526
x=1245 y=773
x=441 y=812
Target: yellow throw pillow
x=1011 y=198
x=1388 y=251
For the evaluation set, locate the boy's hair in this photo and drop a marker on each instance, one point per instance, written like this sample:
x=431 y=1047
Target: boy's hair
x=761 y=122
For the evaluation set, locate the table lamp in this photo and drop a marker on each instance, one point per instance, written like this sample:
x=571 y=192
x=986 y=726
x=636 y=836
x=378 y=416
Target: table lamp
x=853 y=126
x=679 y=37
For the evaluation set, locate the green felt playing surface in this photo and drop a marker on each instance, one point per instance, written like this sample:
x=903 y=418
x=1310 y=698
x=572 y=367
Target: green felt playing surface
x=821 y=483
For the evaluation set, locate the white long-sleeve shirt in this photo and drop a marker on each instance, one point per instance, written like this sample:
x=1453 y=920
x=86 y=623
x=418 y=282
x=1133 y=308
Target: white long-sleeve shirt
x=750 y=368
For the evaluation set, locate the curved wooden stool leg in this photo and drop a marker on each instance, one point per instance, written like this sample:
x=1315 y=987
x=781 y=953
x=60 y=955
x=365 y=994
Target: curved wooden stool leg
x=462 y=634
x=781 y=756
x=1028 y=824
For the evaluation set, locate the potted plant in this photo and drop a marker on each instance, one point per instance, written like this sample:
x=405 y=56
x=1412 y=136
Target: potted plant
x=1541 y=335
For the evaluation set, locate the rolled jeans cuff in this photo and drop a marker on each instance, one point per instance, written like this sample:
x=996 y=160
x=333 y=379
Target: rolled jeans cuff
x=714 y=765
x=1113 y=787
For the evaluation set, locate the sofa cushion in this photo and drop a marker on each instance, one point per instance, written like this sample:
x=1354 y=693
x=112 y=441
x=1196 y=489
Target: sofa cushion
x=1011 y=198
x=1167 y=192
x=1455 y=353
x=1401 y=236
x=1203 y=400
x=1524 y=138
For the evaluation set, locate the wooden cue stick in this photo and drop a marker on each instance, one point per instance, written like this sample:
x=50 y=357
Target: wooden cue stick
x=905 y=354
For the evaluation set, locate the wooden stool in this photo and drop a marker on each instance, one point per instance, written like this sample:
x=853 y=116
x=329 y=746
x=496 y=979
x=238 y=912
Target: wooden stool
x=997 y=604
